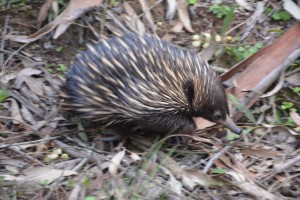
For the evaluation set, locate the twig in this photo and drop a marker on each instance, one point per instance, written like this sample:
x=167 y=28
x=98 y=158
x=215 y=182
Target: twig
x=124 y=29
x=214 y=158
x=26 y=155
x=24 y=123
x=36 y=110
x=152 y=6
x=31 y=142
x=12 y=55
x=287 y=164
x=4 y=32
x=148 y=15
x=17 y=54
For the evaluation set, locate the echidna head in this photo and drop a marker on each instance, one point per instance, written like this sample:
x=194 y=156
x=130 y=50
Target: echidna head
x=213 y=106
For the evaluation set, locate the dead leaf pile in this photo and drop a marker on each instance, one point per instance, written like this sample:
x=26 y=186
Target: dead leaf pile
x=46 y=156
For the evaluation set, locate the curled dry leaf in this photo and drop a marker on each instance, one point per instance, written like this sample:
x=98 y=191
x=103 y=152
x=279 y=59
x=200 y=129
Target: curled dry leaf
x=294 y=79
x=177 y=28
x=27 y=115
x=171 y=9
x=257 y=191
x=275 y=58
x=296 y=118
x=208 y=52
x=259 y=152
x=192 y=178
x=202 y=123
x=184 y=15
x=135 y=22
x=135 y=157
x=244 y=4
x=33 y=177
x=74 y=10
x=44 y=11
x=15 y=111
x=115 y=163
x=6 y=77
x=174 y=184
x=35 y=85
x=20 y=38
x=292 y=8
x=13 y=165
x=29 y=72
x=148 y=15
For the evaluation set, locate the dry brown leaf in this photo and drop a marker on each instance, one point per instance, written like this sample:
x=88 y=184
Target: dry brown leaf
x=20 y=38
x=27 y=115
x=296 y=118
x=15 y=111
x=74 y=10
x=257 y=191
x=148 y=15
x=192 y=178
x=135 y=23
x=29 y=72
x=6 y=77
x=168 y=37
x=260 y=69
x=35 y=85
x=171 y=9
x=208 y=52
x=184 y=15
x=115 y=163
x=266 y=153
x=13 y=165
x=75 y=194
x=43 y=13
x=33 y=177
x=294 y=79
x=245 y=4
x=177 y=28
x=135 y=157
x=202 y=123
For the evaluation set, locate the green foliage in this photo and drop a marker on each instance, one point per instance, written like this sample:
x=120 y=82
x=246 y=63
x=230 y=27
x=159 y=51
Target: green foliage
x=228 y=20
x=242 y=108
x=286 y=105
x=44 y=182
x=13 y=3
x=61 y=68
x=3 y=95
x=86 y=182
x=232 y=136
x=59 y=49
x=90 y=198
x=281 y=15
x=243 y=51
x=191 y=2
x=296 y=89
x=218 y=171
x=113 y=3
x=268 y=10
x=219 y=10
x=70 y=183
x=290 y=122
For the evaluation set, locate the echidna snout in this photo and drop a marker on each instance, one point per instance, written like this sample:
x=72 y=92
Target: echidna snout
x=144 y=83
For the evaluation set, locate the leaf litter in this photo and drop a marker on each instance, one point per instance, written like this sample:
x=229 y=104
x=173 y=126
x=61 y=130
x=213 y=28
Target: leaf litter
x=262 y=164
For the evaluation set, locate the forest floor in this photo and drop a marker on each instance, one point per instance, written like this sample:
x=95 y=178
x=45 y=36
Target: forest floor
x=253 y=46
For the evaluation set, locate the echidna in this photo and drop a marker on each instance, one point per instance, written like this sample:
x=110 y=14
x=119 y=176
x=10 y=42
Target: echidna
x=144 y=83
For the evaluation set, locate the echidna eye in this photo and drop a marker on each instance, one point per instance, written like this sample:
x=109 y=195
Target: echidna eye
x=218 y=116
